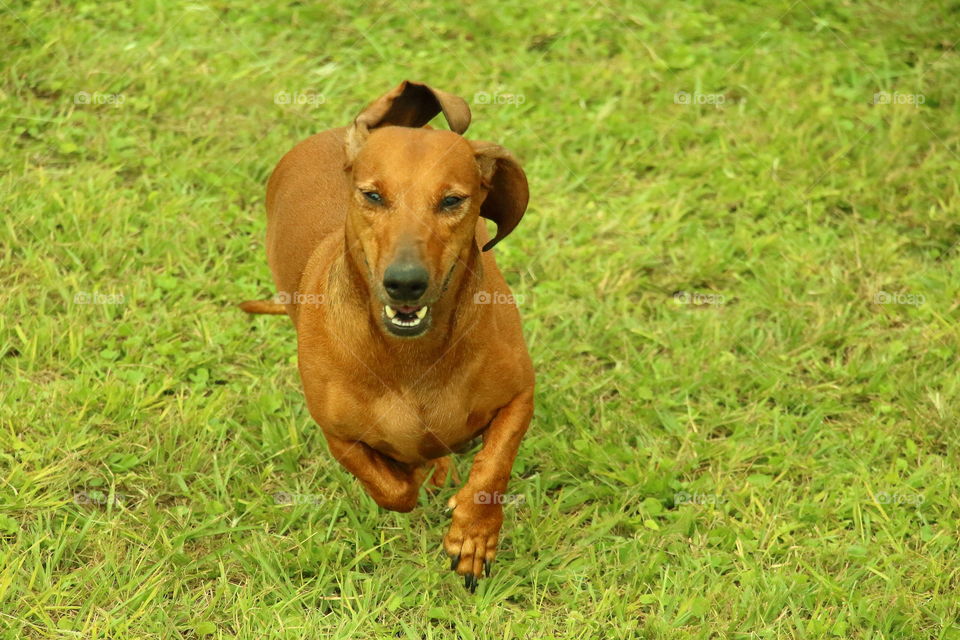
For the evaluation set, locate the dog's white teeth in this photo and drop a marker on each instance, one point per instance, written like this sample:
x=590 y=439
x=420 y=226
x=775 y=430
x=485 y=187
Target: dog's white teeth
x=405 y=319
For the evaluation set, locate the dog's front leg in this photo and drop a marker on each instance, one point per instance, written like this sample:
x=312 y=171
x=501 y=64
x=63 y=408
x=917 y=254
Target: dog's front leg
x=392 y=485
x=478 y=506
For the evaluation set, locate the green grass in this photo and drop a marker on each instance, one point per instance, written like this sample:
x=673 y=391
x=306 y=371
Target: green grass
x=738 y=433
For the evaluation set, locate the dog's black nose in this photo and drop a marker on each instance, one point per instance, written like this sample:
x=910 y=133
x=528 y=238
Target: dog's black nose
x=405 y=281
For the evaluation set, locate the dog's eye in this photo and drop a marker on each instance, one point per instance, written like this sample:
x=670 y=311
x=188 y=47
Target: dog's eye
x=373 y=196
x=450 y=202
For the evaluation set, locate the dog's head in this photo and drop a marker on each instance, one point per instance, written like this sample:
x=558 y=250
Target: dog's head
x=417 y=195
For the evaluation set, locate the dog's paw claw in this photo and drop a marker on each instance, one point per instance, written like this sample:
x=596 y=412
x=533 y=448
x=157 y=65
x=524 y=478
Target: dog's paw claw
x=471 y=581
x=486 y=568
x=454 y=563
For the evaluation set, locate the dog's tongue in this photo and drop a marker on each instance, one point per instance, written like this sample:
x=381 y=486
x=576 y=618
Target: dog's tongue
x=407 y=309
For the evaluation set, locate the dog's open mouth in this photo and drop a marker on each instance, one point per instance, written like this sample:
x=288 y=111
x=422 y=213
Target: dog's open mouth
x=406 y=321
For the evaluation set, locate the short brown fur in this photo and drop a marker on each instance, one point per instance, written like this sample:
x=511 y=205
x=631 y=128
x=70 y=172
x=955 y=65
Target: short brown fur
x=392 y=408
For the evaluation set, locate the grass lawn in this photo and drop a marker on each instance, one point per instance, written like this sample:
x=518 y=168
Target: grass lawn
x=739 y=281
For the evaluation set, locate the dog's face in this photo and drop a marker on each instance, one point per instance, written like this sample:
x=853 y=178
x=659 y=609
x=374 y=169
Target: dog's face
x=417 y=194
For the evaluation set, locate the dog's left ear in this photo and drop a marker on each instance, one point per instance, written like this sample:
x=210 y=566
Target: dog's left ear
x=506 y=185
x=409 y=104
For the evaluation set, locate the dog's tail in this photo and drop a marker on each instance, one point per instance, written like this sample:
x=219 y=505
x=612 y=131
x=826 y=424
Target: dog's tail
x=264 y=306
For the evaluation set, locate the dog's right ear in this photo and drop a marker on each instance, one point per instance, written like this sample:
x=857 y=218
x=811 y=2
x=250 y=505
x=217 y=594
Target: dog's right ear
x=410 y=104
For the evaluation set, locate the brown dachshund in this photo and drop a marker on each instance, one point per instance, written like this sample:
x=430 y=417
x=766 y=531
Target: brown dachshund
x=410 y=345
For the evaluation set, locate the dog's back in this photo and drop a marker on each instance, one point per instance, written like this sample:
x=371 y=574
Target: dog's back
x=306 y=201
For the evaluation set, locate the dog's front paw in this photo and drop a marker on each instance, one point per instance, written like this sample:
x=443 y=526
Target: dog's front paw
x=472 y=539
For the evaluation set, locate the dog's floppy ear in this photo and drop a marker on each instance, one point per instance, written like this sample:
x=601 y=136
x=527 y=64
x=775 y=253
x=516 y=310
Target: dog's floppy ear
x=506 y=185
x=410 y=104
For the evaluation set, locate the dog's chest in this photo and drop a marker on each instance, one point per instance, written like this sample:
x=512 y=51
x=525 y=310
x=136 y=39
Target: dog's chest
x=408 y=425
